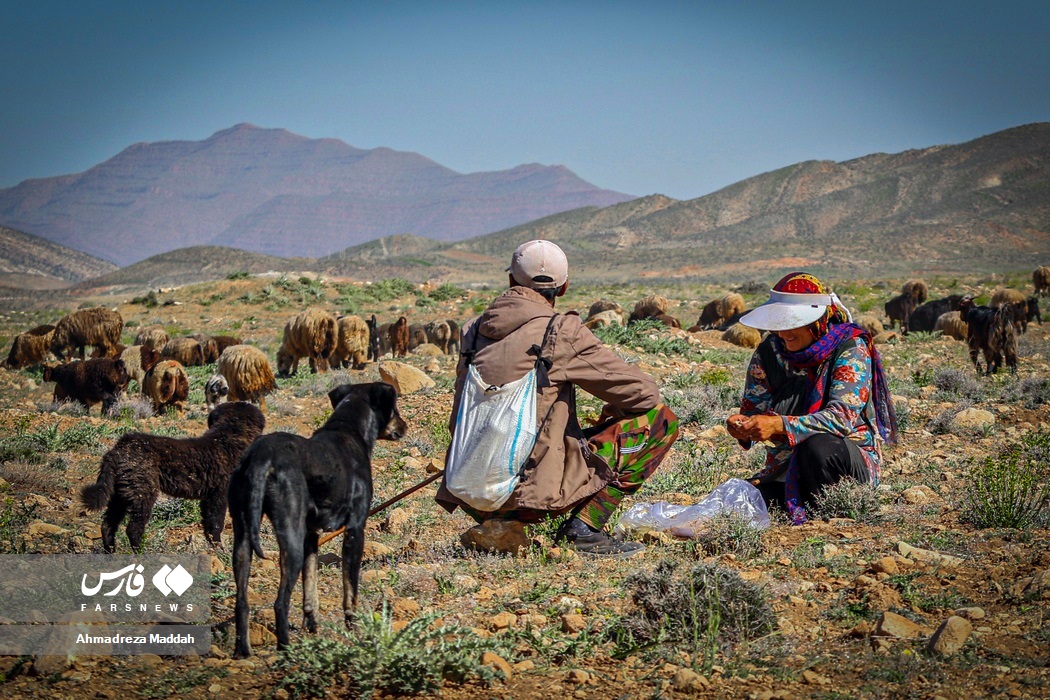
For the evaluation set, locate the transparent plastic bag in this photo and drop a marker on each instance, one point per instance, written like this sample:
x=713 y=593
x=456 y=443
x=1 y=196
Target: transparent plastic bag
x=735 y=496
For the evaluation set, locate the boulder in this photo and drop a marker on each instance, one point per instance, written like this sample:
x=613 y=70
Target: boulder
x=405 y=378
x=971 y=420
x=950 y=636
x=495 y=535
x=897 y=626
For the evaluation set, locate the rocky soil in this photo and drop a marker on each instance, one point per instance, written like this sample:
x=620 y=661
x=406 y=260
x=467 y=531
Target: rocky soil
x=912 y=600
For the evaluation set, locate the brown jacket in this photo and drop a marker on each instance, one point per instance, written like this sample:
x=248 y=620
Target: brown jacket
x=560 y=471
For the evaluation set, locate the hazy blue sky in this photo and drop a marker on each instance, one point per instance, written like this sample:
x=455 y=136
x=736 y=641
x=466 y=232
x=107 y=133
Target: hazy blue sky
x=680 y=98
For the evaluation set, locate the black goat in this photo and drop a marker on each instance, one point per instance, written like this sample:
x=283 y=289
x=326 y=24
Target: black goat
x=899 y=309
x=1033 y=312
x=924 y=318
x=990 y=331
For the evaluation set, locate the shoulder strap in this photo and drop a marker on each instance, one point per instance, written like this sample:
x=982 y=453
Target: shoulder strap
x=543 y=364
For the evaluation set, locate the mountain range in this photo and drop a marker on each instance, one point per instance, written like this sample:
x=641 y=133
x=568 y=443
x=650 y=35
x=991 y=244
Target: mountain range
x=274 y=192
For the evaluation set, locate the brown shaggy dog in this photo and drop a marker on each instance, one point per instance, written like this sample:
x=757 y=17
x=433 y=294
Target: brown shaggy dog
x=166 y=384
x=155 y=338
x=311 y=334
x=248 y=374
x=186 y=351
x=399 y=337
x=98 y=326
x=140 y=467
x=30 y=348
x=101 y=380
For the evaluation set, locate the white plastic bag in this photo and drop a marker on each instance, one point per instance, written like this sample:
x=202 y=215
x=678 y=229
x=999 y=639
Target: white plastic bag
x=735 y=495
x=495 y=433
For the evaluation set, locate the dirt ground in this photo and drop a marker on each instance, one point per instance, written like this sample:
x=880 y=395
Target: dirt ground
x=829 y=582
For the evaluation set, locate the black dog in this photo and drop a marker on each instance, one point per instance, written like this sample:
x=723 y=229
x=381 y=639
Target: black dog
x=141 y=466
x=308 y=486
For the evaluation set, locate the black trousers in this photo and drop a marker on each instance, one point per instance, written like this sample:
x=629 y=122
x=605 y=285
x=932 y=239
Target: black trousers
x=822 y=460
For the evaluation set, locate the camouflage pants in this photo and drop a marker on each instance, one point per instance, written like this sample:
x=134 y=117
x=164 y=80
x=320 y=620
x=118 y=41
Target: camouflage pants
x=633 y=448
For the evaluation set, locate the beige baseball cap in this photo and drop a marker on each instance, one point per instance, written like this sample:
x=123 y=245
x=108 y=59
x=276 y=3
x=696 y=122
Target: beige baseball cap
x=539 y=259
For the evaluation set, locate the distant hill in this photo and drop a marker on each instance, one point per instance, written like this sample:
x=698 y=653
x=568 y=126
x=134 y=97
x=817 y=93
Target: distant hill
x=30 y=262
x=273 y=192
x=194 y=264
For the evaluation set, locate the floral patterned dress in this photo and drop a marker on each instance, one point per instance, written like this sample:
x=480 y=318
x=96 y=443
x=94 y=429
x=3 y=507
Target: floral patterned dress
x=847 y=413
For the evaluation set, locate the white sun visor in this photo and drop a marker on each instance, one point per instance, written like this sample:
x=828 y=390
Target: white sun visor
x=786 y=310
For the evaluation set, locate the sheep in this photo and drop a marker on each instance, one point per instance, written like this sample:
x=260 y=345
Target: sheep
x=1041 y=280
x=141 y=466
x=98 y=380
x=730 y=305
x=991 y=332
x=32 y=347
x=871 y=324
x=1016 y=299
x=916 y=289
x=709 y=316
x=311 y=334
x=667 y=320
x=224 y=341
x=138 y=359
x=1033 y=311
x=98 y=327
x=439 y=334
x=215 y=390
x=155 y=338
x=604 y=319
x=247 y=370
x=384 y=339
x=453 y=336
x=924 y=318
x=398 y=333
x=417 y=335
x=373 y=339
x=166 y=384
x=652 y=305
x=951 y=325
x=209 y=346
x=351 y=347
x=899 y=309
x=186 y=351
x=744 y=336
x=603 y=305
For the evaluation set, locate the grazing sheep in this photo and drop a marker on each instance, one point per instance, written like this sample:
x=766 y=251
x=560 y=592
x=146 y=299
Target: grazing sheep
x=731 y=305
x=604 y=319
x=98 y=380
x=98 y=327
x=917 y=290
x=650 y=306
x=155 y=338
x=166 y=384
x=603 y=305
x=384 y=339
x=744 y=336
x=871 y=324
x=439 y=334
x=951 y=325
x=351 y=347
x=138 y=359
x=209 y=346
x=32 y=347
x=1016 y=299
x=398 y=333
x=453 y=336
x=215 y=390
x=186 y=351
x=991 y=332
x=311 y=334
x=417 y=335
x=1041 y=280
x=225 y=341
x=373 y=339
x=709 y=316
x=668 y=320
x=899 y=310
x=924 y=318
x=247 y=370
x=140 y=467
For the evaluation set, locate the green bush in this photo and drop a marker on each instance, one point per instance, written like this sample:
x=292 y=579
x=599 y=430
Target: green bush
x=1010 y=490
x=730 y=532
x=848 y=499
x=695 y=470
x=638 y=335
x=239 y=275
x=373 y=658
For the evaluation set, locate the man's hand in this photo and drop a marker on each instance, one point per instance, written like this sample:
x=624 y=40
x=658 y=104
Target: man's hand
x=755 y=428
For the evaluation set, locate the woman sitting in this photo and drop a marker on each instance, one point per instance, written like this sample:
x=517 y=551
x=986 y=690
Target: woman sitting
x=815 y=393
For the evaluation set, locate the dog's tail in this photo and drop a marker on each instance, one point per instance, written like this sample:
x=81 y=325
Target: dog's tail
x=256 y=472
x=96 y=496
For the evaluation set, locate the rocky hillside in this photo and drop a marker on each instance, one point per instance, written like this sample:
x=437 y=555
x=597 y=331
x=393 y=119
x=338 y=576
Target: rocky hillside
x=274 y=192
x=30 y=262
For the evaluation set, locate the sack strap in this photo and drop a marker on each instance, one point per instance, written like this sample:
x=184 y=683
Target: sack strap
x=543 y=364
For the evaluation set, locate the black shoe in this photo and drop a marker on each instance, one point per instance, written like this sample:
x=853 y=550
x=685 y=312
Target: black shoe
x=580 y=536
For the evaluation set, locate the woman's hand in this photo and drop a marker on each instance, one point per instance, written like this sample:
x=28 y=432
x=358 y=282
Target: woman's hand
x=755 y=428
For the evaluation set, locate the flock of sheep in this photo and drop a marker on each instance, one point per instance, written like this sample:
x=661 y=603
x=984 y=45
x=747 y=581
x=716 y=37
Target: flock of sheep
x=244 y=373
